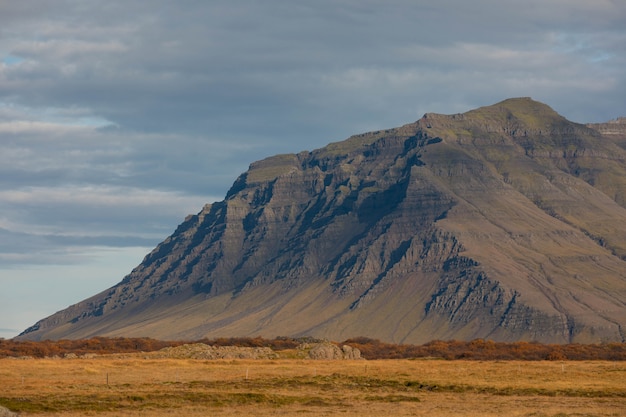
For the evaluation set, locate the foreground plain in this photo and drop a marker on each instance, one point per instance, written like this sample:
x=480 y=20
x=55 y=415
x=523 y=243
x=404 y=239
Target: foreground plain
x=136 y=385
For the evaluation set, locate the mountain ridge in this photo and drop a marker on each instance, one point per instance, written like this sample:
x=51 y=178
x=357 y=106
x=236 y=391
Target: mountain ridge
x=504 y=222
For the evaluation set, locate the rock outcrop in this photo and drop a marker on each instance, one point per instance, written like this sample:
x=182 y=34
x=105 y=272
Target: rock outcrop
x=615 y=127
x=330 y=351
x=5 y=412
x=506 y=222
x=207 y=352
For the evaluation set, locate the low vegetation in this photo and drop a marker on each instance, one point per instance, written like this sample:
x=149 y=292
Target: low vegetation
x=480 y=349
x=134 y=385
x=370 y=348
x=103 y=345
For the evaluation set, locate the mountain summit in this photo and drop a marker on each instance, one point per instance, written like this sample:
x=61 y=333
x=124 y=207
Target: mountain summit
x=507 y=222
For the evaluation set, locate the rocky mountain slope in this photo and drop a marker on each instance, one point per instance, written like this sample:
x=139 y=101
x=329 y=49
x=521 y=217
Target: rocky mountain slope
x=507 y=222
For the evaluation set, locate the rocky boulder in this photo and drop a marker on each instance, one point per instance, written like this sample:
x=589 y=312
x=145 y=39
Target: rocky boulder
x=329 y=351
x=5 y=412
x=203 y=351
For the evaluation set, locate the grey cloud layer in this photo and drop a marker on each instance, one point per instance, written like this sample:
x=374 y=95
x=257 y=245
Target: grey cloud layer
x=71 y=187
x=117 y=118
x=200 y=66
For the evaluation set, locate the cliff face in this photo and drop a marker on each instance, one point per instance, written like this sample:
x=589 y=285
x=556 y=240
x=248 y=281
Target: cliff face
x=507 y=222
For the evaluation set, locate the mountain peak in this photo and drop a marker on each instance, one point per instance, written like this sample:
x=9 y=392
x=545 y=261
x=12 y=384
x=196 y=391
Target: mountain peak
x=532 y=114
x=534 y=122
x=524 y=109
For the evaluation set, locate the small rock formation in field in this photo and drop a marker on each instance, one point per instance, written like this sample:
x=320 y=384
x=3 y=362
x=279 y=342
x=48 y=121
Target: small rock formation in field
x=203 y=351
x=5 y=412
x=330 y=351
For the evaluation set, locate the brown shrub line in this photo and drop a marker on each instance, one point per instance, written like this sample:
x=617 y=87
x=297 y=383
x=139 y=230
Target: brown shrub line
x=104 y=345
x=480 y=349
x=477 y=349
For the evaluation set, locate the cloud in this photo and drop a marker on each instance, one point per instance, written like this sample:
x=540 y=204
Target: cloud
x=64 y=187
x=204 y=66
x=63 y=225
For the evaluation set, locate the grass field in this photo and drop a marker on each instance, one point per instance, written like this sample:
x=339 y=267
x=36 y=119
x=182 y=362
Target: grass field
x=138 y=386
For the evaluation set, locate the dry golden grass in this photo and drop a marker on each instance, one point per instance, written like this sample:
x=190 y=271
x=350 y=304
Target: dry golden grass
x=148 y=387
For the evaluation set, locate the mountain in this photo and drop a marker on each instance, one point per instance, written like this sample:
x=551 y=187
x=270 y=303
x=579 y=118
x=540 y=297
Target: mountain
x=507 y=222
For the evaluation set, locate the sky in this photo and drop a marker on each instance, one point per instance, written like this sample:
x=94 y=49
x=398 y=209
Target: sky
x=120 y=117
